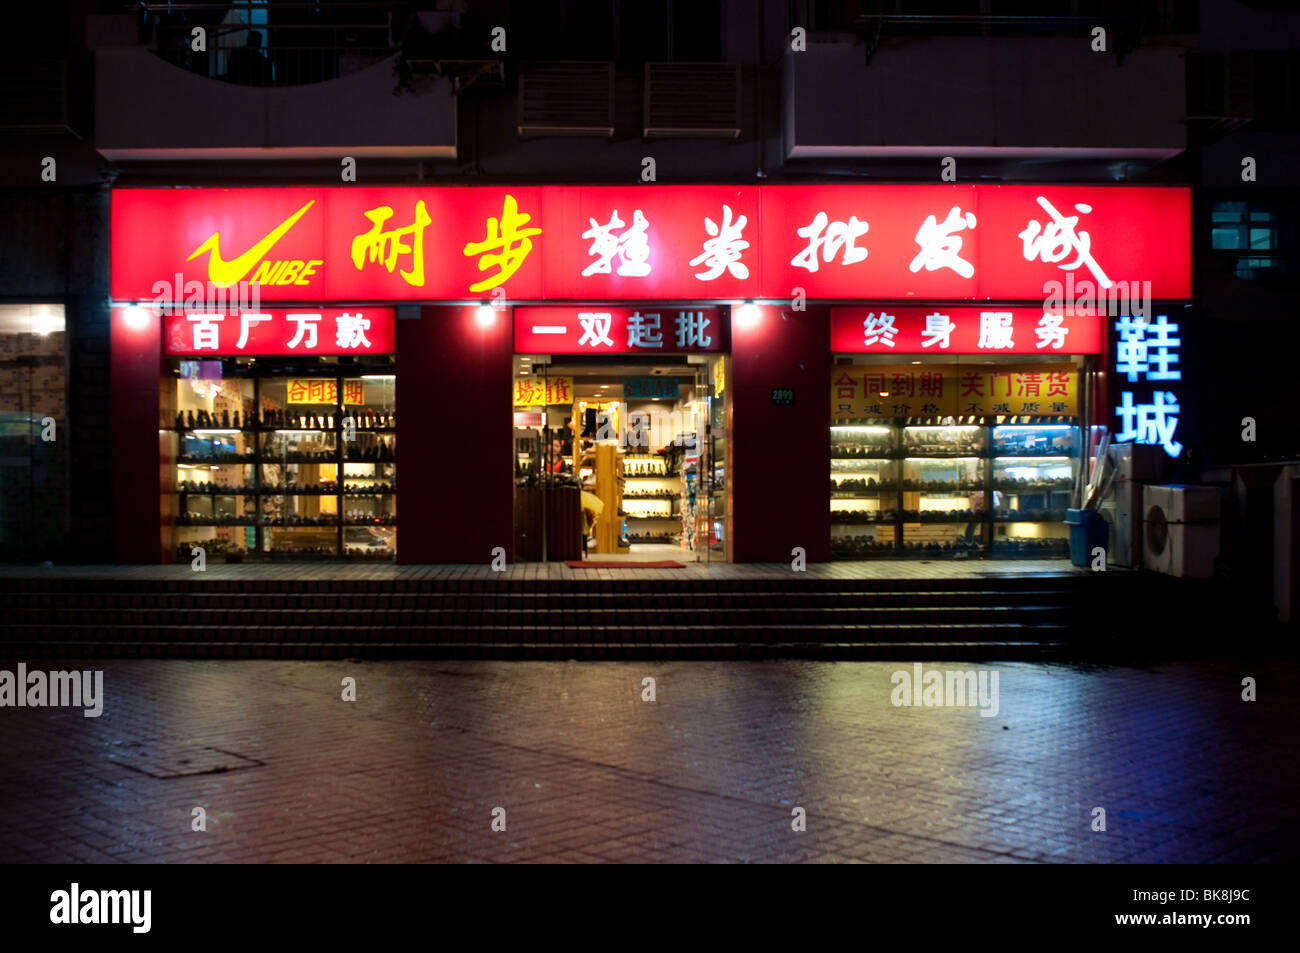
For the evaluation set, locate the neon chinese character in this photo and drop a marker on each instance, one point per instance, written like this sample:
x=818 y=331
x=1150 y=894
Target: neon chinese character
x=939 y=328
x=995 y=330
x=838 y=235
x=595 y=328
x=1135 y=354
x=690 y=329
x=1049 y=331
x=385 y=246
x=206 y=332
x=722 y=251
x=246 y=323
x=1153 y=423
x=350 y=330
x=940 y=247
x=1059 y=238
x=632 y=247
x=643 y=330
x=306 y=327
x=879 y=329
x=508 y=235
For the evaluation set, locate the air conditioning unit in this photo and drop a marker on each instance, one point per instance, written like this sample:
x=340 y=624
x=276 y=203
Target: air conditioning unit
x=1135 y=465
x=692 y=100
x=566 y=99
x=1180 y=530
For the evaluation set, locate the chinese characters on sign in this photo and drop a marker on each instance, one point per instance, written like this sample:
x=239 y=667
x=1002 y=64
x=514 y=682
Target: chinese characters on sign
x=839 y=241
x=962 y=330
x=649 y=388
x=1147 y=351
x=328 y=331
x=861 y=391
x=558 y=330
x=317 y=390
x=542 y=392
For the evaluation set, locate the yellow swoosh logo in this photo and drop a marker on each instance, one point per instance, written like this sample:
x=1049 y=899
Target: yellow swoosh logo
x=224 y=273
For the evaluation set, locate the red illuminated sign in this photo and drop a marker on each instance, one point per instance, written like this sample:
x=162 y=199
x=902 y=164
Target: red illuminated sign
x=599 y=330
x=651 y=243
x=884 y=329
x=356 y=330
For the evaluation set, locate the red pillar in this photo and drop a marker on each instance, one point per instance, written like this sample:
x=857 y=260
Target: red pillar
x=456 y=464
x=139 y=477
x=781 y=485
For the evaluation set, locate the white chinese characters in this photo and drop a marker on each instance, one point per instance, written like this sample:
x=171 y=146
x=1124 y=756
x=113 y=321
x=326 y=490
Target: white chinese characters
x=1059 y=239
x=938 y=330
x=595 y=328
x=723 y=250
x=205 y=331
x=632 y=248
x=306 y=328
x=995 y=330
x=940 y=244
x=878 y=328
x=246 y=323
x=1050 y=331
x=829 y=239
x=349 y=332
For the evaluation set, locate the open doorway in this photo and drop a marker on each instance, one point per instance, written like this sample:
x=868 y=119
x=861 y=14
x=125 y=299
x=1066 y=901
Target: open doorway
x=620 y=459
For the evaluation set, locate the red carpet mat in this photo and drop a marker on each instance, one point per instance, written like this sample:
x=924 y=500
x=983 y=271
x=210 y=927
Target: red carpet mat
x=596 y=564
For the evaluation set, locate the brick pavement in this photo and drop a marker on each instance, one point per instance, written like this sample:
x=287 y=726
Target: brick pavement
x=587 y=772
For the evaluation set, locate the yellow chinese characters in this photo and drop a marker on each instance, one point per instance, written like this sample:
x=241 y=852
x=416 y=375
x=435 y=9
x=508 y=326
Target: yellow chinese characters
x=380 y=245
x=511 y=242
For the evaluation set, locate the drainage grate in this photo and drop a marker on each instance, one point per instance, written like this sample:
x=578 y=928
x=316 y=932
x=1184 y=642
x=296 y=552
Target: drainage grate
x=179 y=762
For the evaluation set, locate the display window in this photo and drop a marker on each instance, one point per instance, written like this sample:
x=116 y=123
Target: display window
x=953 y=458
x=283 y=459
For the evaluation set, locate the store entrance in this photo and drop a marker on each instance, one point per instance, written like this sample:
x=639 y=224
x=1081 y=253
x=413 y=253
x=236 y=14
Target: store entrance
x=620 y=459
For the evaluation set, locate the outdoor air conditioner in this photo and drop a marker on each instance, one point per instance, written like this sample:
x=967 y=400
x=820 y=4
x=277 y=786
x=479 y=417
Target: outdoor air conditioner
x=1180 y=530
x=1135 y=466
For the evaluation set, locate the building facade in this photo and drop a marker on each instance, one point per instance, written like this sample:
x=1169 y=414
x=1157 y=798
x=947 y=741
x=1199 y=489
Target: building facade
x=853 y=280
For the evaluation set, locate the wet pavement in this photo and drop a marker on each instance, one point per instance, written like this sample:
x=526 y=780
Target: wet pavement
x=714 y=769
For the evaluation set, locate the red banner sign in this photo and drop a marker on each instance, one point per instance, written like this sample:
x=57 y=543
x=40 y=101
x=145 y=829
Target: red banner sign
x=600 y=330
x=705 y=242
x=294 y=331
x=883 y=329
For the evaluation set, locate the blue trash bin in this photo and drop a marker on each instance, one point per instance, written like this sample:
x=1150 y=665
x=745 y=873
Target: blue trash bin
x=1088 y=530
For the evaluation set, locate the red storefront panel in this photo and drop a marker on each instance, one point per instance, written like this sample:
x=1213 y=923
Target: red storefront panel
x=595 y=329
x=940 y=242
x=660 y=242
x=972 y=241
x=884 y=329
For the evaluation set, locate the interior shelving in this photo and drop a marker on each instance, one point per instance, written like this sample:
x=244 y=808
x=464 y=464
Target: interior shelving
x=908 y=488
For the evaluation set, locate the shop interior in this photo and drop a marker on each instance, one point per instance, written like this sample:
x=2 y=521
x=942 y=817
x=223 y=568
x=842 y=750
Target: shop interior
x=619 y=460
x=954 y=487
x=275 y=459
